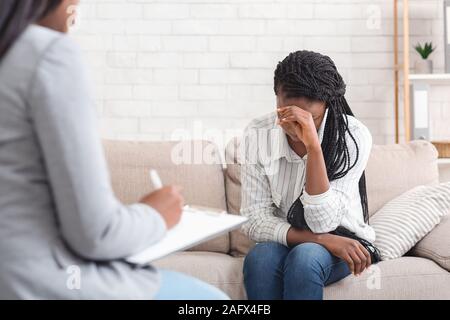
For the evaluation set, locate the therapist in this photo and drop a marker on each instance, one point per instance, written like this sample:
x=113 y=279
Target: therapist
x=63 y=233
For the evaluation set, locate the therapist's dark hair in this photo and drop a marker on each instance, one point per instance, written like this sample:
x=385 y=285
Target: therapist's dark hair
x=17 y=15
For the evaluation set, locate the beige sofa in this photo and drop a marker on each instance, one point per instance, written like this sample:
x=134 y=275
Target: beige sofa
x=392 y=170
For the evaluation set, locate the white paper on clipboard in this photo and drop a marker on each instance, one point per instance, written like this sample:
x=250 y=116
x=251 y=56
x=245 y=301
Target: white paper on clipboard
x=196 y=226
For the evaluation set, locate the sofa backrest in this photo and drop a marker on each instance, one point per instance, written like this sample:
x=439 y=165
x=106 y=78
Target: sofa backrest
x=391 y=170
x=395 y=169
x=177 y=163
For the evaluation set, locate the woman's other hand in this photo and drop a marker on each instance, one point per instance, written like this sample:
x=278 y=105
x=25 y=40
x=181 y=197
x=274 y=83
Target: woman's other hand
x=349 y=250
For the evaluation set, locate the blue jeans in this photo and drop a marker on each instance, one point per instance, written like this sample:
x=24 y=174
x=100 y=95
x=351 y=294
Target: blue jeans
x=177 y=286
x=274 y=272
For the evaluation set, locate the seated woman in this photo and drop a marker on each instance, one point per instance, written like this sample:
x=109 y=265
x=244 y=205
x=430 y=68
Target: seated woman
x=303 y=185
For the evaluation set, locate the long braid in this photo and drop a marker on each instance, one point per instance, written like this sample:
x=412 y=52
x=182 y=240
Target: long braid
x=314 y=76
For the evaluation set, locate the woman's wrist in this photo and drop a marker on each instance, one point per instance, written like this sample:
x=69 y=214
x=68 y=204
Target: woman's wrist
x=314 y=147
x=296 y=236
x=291 y=238
x=324 y=239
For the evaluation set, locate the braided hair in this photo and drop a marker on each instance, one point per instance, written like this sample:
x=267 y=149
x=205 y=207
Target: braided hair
x=306 y=74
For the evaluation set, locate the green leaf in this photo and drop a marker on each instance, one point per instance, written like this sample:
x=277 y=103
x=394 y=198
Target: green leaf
x=425 y=50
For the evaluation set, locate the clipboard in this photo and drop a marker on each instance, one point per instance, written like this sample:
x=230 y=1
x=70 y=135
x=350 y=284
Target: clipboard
x=197 y=225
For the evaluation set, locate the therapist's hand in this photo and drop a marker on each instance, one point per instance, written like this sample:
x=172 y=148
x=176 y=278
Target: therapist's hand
x=169 y=202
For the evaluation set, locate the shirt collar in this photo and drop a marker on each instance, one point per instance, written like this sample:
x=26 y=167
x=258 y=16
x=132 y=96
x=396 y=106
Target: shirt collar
x=280 y=144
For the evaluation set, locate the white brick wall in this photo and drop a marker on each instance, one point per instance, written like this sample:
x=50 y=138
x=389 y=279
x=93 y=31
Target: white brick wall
x=199 y=65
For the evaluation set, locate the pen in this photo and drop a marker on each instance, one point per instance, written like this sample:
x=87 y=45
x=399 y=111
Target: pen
x=155 y=179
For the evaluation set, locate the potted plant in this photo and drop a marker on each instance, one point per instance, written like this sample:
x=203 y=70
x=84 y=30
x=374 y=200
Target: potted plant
x=424 y=65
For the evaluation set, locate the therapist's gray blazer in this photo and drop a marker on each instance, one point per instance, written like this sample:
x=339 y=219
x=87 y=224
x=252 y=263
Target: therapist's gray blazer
x=58 y=213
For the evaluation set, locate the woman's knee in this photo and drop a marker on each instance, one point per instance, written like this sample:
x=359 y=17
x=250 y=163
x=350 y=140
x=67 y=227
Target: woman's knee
x=265 y=255
x=307 y=256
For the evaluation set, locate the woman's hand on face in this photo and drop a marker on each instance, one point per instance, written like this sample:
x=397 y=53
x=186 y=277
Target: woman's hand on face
x=305 y=127
x=349 y=250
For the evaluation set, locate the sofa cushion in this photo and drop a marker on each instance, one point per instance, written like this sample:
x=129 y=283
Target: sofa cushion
x=220 y=270
x=240 y=243
x=395 y=169
x=444 y=170
x=405 y=220
x=403 y=278
x=436 y=244
x=177 y=163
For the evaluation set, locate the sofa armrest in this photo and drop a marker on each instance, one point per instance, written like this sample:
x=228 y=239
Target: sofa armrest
x=436 y=244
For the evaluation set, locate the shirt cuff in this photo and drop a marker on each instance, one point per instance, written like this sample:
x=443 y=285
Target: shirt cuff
x=316 y=199
x=156 y=219
x=281 y=232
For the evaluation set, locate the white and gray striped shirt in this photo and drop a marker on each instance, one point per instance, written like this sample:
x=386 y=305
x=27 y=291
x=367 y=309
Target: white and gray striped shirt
x=273 y=177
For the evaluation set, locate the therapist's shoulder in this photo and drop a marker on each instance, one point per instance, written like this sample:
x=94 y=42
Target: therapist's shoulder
x=60 y=47
x=36 y=41
x=37 y=44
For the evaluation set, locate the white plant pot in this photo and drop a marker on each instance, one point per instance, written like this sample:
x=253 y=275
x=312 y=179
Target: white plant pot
x=424 y=66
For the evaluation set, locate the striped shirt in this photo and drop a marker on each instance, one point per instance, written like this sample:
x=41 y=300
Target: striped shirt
x=273 y=177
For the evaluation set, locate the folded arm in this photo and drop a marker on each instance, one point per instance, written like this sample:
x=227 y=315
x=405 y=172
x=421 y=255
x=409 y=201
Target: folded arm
x=324 y=211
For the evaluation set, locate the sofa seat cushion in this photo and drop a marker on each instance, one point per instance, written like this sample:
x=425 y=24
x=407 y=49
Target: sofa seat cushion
x=177 y=163
x=220 y=270
x=403 y=278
